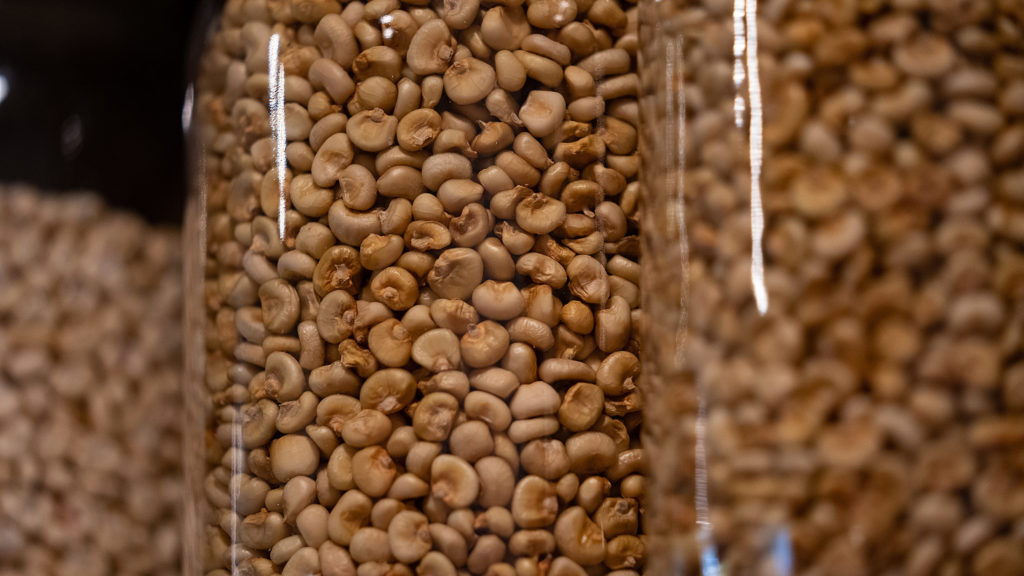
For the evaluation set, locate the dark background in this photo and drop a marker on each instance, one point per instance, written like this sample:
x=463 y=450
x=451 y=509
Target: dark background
x=96 y=92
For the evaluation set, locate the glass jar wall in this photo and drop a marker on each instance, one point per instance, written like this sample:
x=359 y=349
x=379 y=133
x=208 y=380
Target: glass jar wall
x=415 y=290
x=834 y=219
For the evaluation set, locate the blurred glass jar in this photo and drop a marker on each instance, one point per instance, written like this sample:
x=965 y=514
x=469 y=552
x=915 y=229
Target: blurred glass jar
x=834 y=218
x=414 y=290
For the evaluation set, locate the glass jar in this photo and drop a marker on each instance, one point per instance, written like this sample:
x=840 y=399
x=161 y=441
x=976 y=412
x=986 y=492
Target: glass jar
x=834 y=219
x=414 y=290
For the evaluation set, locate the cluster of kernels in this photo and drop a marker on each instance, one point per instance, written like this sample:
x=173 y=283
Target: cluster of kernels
x=875 y=415
x=90 y=396
x=434 y=370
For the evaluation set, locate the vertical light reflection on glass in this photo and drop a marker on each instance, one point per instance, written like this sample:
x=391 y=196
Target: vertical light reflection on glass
x=275 y=96
x=5 y=87
x=237 y=462
x=237 y=467
x=782 y=553
x=676 y=104
x=72 y=135
x=280 y=139
x=186 y=108
x=672 y=165
x=739 y=42
x=675 y=167
x=756 y=158
x=709 y=563
x=745 y=40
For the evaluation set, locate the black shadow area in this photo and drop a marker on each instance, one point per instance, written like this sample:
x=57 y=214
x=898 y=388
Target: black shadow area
x=95 y=96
